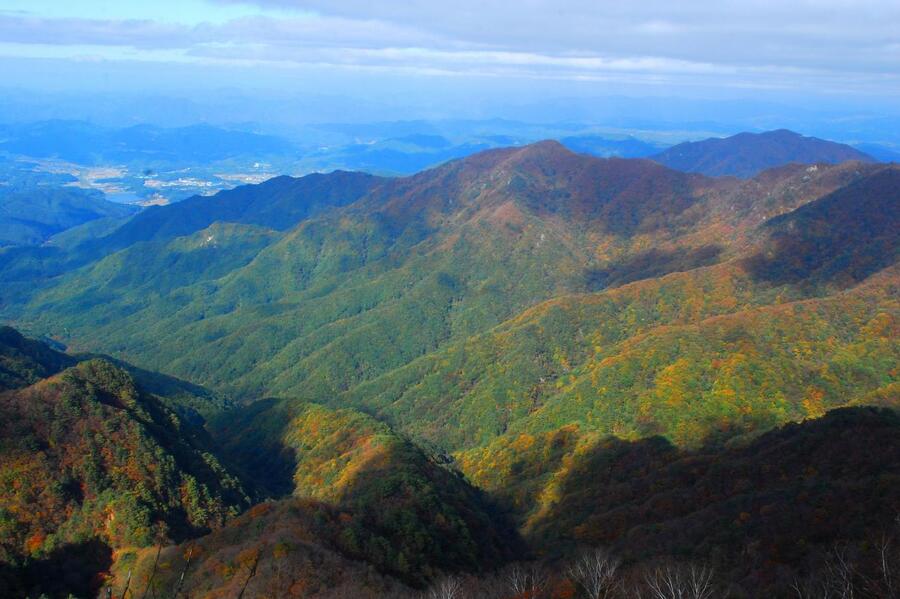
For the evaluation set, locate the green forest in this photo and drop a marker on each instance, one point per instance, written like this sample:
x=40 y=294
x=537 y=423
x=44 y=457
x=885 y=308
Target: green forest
x=523 y=373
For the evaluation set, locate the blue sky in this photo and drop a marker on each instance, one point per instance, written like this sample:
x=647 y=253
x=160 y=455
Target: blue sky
x=817 y=51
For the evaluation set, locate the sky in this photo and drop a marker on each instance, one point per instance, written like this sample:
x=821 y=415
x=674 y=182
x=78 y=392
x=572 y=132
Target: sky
x=452 y=56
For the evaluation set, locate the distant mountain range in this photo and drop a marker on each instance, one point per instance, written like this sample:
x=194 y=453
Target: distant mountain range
x=747 y=154
x=605 y=147
x=146 y=162
x=517 y=353
x=89 y=144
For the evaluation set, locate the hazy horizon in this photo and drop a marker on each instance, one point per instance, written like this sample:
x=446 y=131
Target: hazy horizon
x=828 y=68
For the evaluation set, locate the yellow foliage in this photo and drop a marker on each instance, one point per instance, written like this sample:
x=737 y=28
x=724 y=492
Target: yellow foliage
x=672 y=381
x=813 y=402
x=882 y=325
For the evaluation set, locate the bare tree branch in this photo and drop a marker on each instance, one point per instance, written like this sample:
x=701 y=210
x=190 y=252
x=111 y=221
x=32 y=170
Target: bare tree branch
x=527 y=581
x=675 y=581
x=596 y=573
x=448 y=588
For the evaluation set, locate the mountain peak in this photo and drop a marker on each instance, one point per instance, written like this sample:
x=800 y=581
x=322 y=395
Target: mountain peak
x=543 y=147
x=543 y=155
x=547 y=180
x=779 y=133
x=747 y=154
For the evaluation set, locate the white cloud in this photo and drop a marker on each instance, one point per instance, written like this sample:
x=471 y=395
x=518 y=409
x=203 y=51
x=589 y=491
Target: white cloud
x=753 y=43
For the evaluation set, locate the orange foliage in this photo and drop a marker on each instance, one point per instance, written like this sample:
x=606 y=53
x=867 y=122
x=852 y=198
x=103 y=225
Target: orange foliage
x=812 y=402
x=248 y=557
x=35 y=541
x=260 y=509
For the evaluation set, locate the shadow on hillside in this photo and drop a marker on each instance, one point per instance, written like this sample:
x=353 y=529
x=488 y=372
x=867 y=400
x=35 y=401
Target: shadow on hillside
x=840 y=239
x=259 y=455
x=802 y=257
x=609 y=476
x=754 y=509
x=650 y=264
x=74 y=569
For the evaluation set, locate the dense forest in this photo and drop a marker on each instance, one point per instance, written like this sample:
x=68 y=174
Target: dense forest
x=524 y=373
x=91 y=460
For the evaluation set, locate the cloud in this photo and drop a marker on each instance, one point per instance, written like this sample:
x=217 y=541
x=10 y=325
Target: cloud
x=325 y=31
x=850 y=33
x=132 y=33
x=838 y=44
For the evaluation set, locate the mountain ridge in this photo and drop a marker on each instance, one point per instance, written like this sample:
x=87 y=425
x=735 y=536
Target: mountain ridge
x=747 y=154
x=411 y=244
x=33 y=214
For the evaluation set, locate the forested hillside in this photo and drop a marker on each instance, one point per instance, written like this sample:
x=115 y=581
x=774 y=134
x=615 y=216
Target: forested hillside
x=410 y=368
x=92 y=463
x=748 y=520
x=359 y=305
x=32 y=214
x=413 y=516
x=25 y=361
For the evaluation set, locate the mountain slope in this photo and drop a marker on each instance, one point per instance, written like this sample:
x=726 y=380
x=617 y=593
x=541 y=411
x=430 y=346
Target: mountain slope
x=841 y=238
x=442 y=254
x=422 y=263
x=25 y=361
x=429 y=516
x=413 y=265
x=761 y=510
x=426 y=262
x=511 y=311
x=364 y=509
x=278 y=203
x=95 y=467
x=747 y=154
x=31 y=215
x=289 y=548
x=688 y=356
x=758 y=510
x=90 y=458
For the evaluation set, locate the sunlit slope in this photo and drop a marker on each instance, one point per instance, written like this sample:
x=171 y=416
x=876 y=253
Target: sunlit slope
x=432 y=519
x=416 y=264
x=685 y=356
